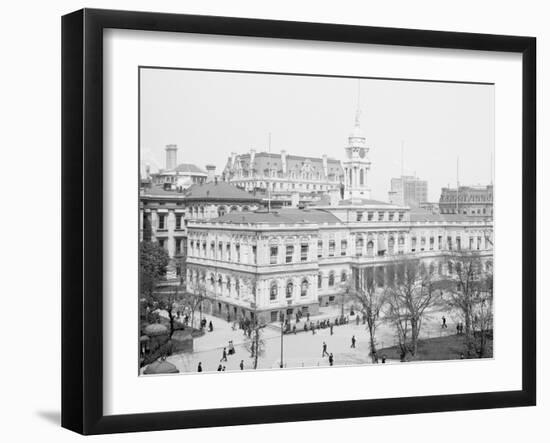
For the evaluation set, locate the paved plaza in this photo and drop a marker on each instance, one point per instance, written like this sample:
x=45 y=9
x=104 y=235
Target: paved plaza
x=302 y=349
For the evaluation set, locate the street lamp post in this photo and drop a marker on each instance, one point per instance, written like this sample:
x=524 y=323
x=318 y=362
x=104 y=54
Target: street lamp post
x=282 y=318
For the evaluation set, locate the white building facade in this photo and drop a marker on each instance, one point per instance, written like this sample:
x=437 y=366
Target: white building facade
x=265 y=264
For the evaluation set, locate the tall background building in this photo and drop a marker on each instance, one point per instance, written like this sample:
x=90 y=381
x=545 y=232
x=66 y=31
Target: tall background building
x=467 y=200
x=408 y=190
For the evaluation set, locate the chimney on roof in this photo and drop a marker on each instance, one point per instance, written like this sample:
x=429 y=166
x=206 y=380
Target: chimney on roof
x=211 y=171
x=171 y=156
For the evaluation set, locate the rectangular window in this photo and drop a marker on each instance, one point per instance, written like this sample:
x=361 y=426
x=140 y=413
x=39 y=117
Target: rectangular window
x=273 y=252
x=319 y=248
x=238 y=253
x=254 y=253
x=228 y=251
x=162 y=242
x=422 y=243
x=431 y=243
x=380 y=216
x=331 y=247
x=401 y=216
x=304 y=248
x=179 y=243
x=162 y=221
x=450 y=243
x=359 y=215
x=289 y=253
x=439 y=241
x=413 y=244
x=390 y=216
x=178 y=221
x=344 y=247
x=458 y=246
x=370 y=215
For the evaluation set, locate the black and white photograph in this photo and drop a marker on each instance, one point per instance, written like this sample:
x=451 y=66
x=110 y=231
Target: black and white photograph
x=304 y=221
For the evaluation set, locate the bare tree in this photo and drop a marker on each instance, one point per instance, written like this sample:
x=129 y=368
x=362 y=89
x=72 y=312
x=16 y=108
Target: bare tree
x=407 y=300
x=254 y=343
x=372 y=300
x=166 y=301
x=193 y=300
x=471 y=294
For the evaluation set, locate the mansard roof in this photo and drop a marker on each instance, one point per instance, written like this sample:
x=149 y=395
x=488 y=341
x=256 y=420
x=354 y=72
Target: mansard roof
x=281 y=216
x=265 y=160
x=185 y=168
x=218 y=191
x=422 y=215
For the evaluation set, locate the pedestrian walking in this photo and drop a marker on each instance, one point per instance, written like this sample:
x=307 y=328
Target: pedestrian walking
x=324 y=349
x=443 y=322
x=224 y=355
x=458 y=329
x=384 y=358
x=331 y=329
x=199 y=368
x=241 y=365
x=353 y=341
x=331 y=359
x=357 y=319
x=219 y=368
x=294 y=329
x=210 y=326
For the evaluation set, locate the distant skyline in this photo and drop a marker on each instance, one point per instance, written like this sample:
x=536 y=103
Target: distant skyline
x=208 y=115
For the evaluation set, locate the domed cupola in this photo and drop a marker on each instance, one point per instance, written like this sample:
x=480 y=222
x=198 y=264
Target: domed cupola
x=357 y=165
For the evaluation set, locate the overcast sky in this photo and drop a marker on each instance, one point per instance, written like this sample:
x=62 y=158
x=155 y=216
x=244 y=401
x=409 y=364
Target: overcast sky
x=210 y=114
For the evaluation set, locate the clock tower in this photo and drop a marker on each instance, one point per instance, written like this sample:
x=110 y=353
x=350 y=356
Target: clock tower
x=356 y=164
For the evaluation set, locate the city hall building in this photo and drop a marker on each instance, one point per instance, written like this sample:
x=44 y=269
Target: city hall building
x=259 y=264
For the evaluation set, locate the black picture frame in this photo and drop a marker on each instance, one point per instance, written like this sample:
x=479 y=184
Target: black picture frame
x=82 y=215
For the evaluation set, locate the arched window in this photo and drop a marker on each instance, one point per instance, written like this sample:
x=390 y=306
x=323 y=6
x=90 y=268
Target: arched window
x=331 y=279
x=304 y=287
x=273 y=291
x=228 y=285
x=370 y=248
x=220 y=283
x=237 y=287
x=245 y=209
x=391 y=244
x=233 y=209
x=289 y=289
x=344 y=277
x=221 y=211
x=212 y=281
x=359 y=246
